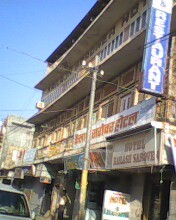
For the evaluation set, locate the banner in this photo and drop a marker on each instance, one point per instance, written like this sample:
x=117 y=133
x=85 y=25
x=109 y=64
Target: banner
x=116 y=206
x=156 y=47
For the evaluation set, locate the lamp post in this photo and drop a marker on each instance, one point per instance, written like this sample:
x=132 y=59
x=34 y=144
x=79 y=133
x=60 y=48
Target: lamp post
x=84 y=177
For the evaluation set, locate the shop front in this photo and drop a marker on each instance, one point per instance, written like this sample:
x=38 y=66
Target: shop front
x=145 y=155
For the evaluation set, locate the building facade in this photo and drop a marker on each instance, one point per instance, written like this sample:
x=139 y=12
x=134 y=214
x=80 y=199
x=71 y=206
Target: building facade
x=133 y=126
x=17 y=137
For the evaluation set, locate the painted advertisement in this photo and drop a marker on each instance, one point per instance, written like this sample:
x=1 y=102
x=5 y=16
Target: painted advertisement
x=97 y=159
x=135 y=151
x=156 y=47
x=116 y=206
x=136 y=116
x=74 y=162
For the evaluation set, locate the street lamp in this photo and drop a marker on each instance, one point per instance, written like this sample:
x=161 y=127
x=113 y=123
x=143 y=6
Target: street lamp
x=84 y=177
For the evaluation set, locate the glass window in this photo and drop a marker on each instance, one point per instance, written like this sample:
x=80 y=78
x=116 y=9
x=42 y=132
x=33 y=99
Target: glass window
x=107 y=110
x=109 y=49
x=13 y=204
x=105 y=51
x=137 y=24
x=94 y=117
x=116 y=42
x=101 y=55
x=112 y=46
x=144 y=16
x=120 y=38
x=132 y=30
x=125 y=102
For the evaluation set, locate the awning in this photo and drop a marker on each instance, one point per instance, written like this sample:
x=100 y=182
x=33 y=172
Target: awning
x=129 y=132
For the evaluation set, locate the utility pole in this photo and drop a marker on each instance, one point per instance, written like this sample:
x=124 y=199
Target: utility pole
x=84 y=177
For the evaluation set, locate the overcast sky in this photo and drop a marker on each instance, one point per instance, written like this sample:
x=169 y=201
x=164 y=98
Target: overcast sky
x=30 y=31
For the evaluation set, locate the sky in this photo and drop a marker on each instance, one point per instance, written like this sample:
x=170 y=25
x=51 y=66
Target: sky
x=30 y=31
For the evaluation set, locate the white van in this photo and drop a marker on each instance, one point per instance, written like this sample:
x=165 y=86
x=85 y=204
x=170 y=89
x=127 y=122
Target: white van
x=13 y=204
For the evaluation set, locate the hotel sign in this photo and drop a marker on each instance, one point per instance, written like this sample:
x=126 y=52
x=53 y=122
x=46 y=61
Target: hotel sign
x=135 y=151
x=134 y=117
x=156 y=47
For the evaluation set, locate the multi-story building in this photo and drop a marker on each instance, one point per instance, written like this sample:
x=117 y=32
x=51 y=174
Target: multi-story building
x=134 y=119
x=17 y=137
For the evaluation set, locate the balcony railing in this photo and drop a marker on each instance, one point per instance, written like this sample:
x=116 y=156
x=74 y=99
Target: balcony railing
x=64 y=86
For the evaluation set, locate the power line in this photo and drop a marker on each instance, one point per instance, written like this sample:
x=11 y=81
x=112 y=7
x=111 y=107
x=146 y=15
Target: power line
x=23 y=73
x=26 y=54
x=21 y=84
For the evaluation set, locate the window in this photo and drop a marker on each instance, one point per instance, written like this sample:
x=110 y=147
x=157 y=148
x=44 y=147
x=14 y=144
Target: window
x=132 y=30
x=144 y=16
x=94 y=117
x=101 y=55
x=13 y=204
x=126 y=102
x=107 y=110
x=126 y=33
x=58 y=135
x=53 y=136
x=105 y=51
x=137 y=24
x=78 y=124
x=112 y=46
x=120 y=38
x=116 y=42
x=109 y=49
x=84 y=122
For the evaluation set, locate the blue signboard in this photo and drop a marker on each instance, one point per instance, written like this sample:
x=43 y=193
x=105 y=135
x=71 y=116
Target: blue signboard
x=156 y=47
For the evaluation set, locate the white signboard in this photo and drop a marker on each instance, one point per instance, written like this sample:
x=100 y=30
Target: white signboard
x=29 y=155
x=135 y=151
x=136 y=116
x=116 y=206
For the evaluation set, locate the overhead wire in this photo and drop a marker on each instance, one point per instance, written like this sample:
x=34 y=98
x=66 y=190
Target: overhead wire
x=21 y=84
x=22 y=73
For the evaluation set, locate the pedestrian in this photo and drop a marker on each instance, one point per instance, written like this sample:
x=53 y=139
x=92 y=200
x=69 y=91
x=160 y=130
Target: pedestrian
x=62 y=204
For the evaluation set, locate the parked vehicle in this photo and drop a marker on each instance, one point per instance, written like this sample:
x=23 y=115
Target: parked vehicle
x=13 y=204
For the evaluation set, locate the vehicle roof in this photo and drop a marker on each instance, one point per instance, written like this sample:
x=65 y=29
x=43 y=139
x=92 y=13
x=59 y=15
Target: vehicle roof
x=9 y=188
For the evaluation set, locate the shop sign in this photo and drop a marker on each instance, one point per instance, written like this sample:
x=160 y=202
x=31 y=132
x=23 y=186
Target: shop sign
x=134 y=117
x=29 y=155
x=116 y=206
x=97 y=159
x=155 y=56
x=51 y=150
x=19 y=174
x=75 y=162
x=135 y=151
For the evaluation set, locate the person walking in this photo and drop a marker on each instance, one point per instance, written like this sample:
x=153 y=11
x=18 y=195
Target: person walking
x=62 y=204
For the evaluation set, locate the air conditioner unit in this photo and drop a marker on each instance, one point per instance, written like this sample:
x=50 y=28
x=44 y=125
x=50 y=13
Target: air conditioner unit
x=40 y=105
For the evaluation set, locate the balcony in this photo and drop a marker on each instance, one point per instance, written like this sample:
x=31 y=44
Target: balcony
x=63 y=87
